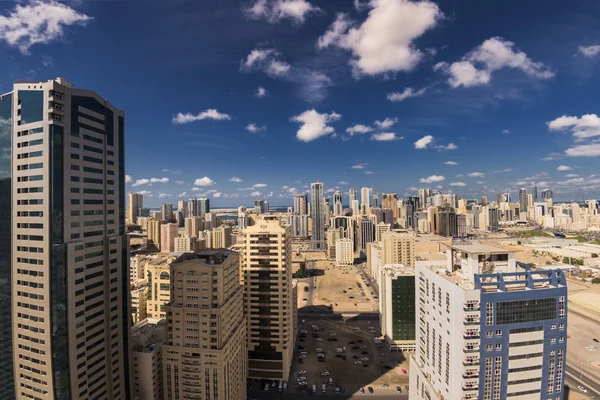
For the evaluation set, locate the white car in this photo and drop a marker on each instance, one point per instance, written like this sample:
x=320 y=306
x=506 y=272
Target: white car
x=302 y=372
x=357 y=362
x=365 y=358
x=584 y=390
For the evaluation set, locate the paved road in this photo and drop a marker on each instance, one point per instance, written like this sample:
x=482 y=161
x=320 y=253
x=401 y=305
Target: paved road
x=573 y=378
x=374 y=287
x=380 y=394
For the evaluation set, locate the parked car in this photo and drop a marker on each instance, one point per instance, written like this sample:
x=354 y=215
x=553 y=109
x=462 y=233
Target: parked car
x=370 y=389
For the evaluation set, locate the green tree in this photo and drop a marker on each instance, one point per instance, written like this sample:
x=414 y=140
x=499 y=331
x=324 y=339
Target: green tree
x=519 y=242
x=594 y=255
x=596 y=281
x=565 y=260
x=548 y=262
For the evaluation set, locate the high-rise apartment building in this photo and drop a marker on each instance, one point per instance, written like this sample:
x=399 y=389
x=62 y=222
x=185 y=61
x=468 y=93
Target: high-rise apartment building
x=189 y=244
x=390 y=200
x=364 y=198
x=367 y=233
x=317 y=214
x=6 y=173
x=424 y=194
x=261 y=206
x=134 y=207
x=375 y=201
x=205 y=354
x=484 y=200
x=168 y=233
x=337 y=197
x=534 y=193
x=166 y=211
x=344 y=252
x=269 y=301
x=301 y=204
x=221 y=237
x=351 y=196
x=193 y=225
x=147 y=338
x=523 y=200
x=546 y=194
x=70 y=283
x=299 y=225
x=354 y=206
x=399 y=247
x=159 y=281
x=182 y=205
x=153 y=238
x=488 y=330
x=380 y=228
x=203 y=206
x=397 y=306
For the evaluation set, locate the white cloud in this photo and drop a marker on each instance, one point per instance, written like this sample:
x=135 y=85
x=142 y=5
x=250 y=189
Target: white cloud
x=235 y=179
x=476 y=175
x=285 y=187
x=140 y=182
x=505 y=132
x=587 y=150
x=359 y=128
x=179 y=182
x=477 y=66
x=291 y=190
x=563 y=168
x=163 y=195
x=231 y=195
x=450 y=146
x=589 y=51
x=342 y=183
x=259 y=185
x=359 y=165
x=360 y=6
x=159 y=180
x=206 y=181
x=458 y=184
x=267 y=61
x=407 y=93
x=451 y=163
x=253 y=128
x=217 y=195
x=386 y=123
x=211 y=113
x=369 y=172
x=274 y=11
x=255 y=194
x=583 y=127
x=145 y=193
x=184 y=194
x=480 y=182
x=261 y=92
x=127 y=178
x=278 y=68
x=423 y=142
x=314 y=125
x=211 y=191
x=432 y=179
x=384 y=41
x=571 y=176
x=384 y=136
x=38 y=22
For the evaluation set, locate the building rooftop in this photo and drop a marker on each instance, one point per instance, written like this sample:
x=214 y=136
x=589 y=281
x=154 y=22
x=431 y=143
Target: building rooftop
x=210 y=257
x=478 y=248
x=147 y=334
x=395 y=270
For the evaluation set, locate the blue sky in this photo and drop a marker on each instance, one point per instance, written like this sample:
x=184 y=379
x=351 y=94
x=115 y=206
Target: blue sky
x=474 y=97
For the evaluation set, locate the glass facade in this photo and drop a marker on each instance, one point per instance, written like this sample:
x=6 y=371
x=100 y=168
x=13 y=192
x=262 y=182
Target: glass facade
x=514 y=312
x=6 y=355
x=403 y=308
x=32 y=106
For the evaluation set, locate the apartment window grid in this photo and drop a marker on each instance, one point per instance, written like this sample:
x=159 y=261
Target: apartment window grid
x=561 y=307
x=487 y=392
x=559 y=370
x=433 y=292
x=447 y=303
x=551 y=367
x=216 y=384
x=207 y=382
x=433 y=353
x=440 y=355
x=447 y=363
x=439 y=297
x=489 y=314
x=176 y=374
x=497 y=377
x=427 y=345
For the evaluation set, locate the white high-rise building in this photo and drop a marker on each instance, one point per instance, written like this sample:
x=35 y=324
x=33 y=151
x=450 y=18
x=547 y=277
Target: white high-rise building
x=488 y=330
x=344 y=252
x=364 y=198
x=351 y=196
x=317 y=213
x=134 y=207
x=354 y=206
x=70 y=273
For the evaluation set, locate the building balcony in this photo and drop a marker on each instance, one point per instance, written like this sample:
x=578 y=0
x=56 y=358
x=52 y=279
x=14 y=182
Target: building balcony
x=471 y=350
x=471 y=321
x=471 y=333
x=470 y=396
x=470 y=361
x=471 y=373
x=470 y=387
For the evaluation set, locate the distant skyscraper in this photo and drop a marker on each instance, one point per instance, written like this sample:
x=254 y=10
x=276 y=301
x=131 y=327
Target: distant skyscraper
x=546 y=194
x=375 y=201
x=327 y=211
x=300 y=204
x=203 y=206
x=523 y=200
x=182 y=206
x=317 y=214
x=70 y=249
x=351 y=196
x=192 y=205
x=397 y=306
x=153 y=238
x=364 y=198
x=337 y=197
x=424 y=194
x=507 y=197
x=367 y=233
x=534 y=193
x=166 y=210
x=390 y=200
x=134 y=207
x=354 y=206
x=168 y=233
x=484 y=200
x=261 y=206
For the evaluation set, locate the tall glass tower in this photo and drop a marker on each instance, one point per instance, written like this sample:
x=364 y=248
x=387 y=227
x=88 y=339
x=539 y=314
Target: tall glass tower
x=69 y=256
x=317 y=213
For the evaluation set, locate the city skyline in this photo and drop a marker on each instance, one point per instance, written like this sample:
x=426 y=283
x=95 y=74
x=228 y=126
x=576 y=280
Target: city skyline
x=505 y=107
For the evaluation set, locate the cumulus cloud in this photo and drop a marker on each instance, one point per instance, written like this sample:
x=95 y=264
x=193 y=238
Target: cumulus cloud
x=386 y=123
x=211 y=113
x=369 y=172
x=274 y=11
x=127 y=178
x=383 y=43
x=563 y=168
x=184 y=194
x=206 y=181
x=476 y=175
x=253 y=128
x=423 y=142
x=38 y=22
x=385 y=136
x=453 y=163
x=359 y=128
x=589 y=51
x=267 y=61
x=255 y=194
x=449 y=146
x=359 y=166
x=140 y=182
x=432 y=179
x=163 y=195
x=235 y=179
x=505 y=132
x=342 y=183
x=583 y=127
x=261 y=92
x=314 y=125
x=217 y=195
x=159 y=180
x=259 y=185
x=145 y=193
x=571 y=176
x=477 y=66
x=587 y=150
x=406 y=94
x=458 y=184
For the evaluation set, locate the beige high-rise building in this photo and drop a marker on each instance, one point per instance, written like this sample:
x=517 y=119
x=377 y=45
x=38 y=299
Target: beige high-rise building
x=134 y=207
x=159 y=282
x=399 y=247
x=269 y=304
x=147 y=338
x=189 y=244
x=205 y=355
x=380 y=228
x=390 y=200
x=168 y=233
x=193 y=225
x=153 y=240
x=344 y=252
x=69 y=258
x=139 y=297
x=221 y=237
